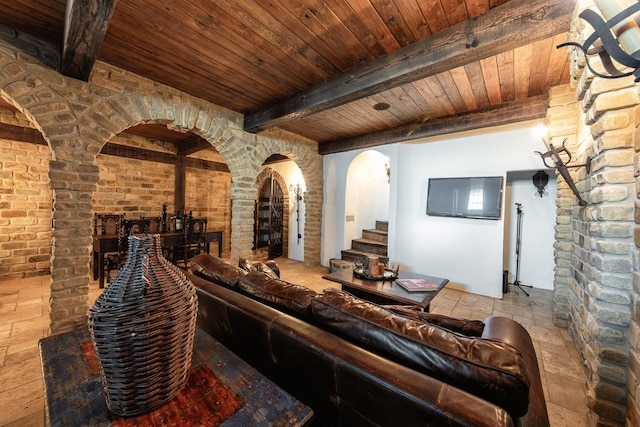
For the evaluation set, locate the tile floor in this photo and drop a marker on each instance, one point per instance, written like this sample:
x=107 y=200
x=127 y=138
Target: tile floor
x=24 y=320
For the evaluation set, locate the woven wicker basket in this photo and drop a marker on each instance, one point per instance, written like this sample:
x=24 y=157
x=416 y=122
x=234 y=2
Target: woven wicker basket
x=143 y=326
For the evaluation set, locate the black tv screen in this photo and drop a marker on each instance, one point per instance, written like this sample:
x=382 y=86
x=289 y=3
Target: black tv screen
x=479 y=197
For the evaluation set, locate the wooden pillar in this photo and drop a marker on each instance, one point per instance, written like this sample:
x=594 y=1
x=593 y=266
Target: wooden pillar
x=180 y=183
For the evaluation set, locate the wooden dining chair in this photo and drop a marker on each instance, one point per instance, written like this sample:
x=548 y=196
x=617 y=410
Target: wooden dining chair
x=193 y=242
x=111 y=225
x=153 y=224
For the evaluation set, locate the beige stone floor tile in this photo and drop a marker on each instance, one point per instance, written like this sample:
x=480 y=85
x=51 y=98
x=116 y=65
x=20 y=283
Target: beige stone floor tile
x=462 y=313
x=479 y=315
x=567 y=393
x=31 y=325
x=21 y=371
x=21 y=401
x=561 y=367
x=5 y=330
x=524 y=321
x=8 y=307
x=502 y=314
x=545 y=334
x=563 y=417
x=23 y=353
x=33 y=420
x=554 y=347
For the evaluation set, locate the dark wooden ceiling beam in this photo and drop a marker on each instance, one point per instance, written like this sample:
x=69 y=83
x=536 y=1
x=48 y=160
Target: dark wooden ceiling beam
x=85 y=25
x=44 y=52
x=22 y=134
x=192 y=145
x=137 y=153
x=507 y=113
x=513 y=24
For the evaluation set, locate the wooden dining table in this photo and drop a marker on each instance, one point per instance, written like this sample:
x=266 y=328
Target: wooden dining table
x=108 y=243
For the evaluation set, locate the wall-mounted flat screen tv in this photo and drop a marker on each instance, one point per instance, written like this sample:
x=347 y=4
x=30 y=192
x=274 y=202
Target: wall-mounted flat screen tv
x=479 y=197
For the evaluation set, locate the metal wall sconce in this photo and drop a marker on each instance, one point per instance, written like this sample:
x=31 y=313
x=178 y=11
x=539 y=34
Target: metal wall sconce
x=617 y=38
x=297 y=191
x=540 y=181
x=561 y=166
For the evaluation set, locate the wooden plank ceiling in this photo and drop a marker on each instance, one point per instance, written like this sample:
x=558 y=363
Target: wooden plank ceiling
x=322 y=69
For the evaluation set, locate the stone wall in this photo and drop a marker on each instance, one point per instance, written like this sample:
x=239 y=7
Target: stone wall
x=596 y=258
x=77 y=119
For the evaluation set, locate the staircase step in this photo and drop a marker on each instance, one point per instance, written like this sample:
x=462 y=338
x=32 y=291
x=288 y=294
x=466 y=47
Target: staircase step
x=382 y=225
x=375 y=235
x=370 y=246
x=359 y=256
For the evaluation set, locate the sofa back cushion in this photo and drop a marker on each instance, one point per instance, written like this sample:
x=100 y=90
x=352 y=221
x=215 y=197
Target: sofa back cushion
x=269 y=267
x=292 y=298
x=468 y=327
x=216 y=270
x=491 y=370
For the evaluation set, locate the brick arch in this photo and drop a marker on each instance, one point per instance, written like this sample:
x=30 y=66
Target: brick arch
x=78 y=118
x=305 y=155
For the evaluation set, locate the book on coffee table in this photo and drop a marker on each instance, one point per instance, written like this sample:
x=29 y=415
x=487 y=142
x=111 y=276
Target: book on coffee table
x=417 y=285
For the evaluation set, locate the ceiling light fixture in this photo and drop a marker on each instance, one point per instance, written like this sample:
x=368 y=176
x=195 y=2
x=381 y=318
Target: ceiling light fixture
x=381 y=106
x=617 y=38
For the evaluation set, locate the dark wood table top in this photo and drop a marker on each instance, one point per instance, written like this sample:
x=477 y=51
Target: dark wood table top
x=74 y=395
x=389 y=289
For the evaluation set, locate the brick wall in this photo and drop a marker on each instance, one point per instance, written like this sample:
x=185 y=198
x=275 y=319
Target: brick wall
x=25 y=204
x=134 y=187
x=25 y=210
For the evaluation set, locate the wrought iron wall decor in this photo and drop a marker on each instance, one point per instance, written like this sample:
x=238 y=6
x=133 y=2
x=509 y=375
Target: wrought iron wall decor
x=556 y=154
x=617 y=38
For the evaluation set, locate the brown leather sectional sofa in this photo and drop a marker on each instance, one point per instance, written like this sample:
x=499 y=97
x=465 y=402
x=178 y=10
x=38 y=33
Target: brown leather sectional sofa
x=356 y=363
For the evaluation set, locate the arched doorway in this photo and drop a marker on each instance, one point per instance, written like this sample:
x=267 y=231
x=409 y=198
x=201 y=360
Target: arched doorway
x=269 y=218
x=367 y=193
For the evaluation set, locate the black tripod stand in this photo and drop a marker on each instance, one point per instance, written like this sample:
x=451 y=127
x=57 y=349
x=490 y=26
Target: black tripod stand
x=517 y=283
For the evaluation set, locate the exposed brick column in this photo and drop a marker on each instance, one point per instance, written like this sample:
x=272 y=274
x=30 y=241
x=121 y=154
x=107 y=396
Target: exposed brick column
x=73 y=185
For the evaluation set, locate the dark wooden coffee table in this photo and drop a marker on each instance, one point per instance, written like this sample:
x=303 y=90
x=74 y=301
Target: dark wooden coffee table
x=74 y=395
x=387 y=291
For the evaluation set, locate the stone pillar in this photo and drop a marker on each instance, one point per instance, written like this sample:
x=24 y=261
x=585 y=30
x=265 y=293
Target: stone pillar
x=243 y=197
x=561 y=120
x=73 y=185
x=594 y=244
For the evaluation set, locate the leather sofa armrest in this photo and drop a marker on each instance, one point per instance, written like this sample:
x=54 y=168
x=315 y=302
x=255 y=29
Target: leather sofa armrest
x=510 y=332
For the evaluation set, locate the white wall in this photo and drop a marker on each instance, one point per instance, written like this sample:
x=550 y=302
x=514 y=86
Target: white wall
x=469 y=252
x=538 y=229
x=292 y=176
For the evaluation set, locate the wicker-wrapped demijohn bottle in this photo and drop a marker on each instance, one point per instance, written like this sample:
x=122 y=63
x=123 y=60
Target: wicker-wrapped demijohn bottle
x=143 y=327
